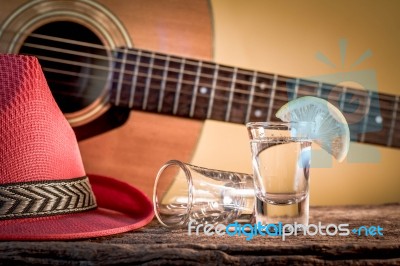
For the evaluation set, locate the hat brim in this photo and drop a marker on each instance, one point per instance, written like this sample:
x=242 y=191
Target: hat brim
x=121 y=208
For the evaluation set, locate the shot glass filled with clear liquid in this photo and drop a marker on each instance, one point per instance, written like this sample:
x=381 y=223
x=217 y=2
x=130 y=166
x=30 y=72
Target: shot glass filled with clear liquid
x=281 y=157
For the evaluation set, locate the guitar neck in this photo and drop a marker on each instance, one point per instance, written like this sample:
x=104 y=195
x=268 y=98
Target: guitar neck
x=198 y=89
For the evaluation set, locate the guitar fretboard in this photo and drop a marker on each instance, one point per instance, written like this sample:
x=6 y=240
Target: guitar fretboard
x=198 y=89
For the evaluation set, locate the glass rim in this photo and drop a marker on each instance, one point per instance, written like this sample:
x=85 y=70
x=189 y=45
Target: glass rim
x=188 y=176
x=277 y=123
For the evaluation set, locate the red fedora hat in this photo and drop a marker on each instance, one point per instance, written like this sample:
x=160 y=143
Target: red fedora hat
x=45 y=193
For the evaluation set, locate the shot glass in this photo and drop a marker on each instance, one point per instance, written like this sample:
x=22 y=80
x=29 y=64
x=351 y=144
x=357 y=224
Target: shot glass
x=186 y=193
x=281 y=157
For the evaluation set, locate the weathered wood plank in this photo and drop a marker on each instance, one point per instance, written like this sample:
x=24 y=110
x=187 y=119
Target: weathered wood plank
x=155 y=245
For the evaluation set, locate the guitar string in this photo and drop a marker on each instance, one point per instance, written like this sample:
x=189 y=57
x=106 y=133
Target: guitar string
x=159 y=79
x=247 y=72
x=162 y=68
x=156 y=77
x=132 y=51
x=224 y=89
x=256 y=105
x=161 y=56
x=141 y=64
x=277 y=98
x=221 y=88
x=168 y=79
x=259 y=106
x=169 y=89
x=220 y=112
x=210 y=65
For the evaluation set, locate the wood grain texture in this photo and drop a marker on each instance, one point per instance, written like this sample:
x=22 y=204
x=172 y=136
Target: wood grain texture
x=156 y=245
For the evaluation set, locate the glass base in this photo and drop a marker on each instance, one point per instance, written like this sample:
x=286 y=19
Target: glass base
x=269 y=213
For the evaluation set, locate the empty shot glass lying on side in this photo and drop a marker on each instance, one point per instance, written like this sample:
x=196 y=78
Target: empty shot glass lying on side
x=186 y=193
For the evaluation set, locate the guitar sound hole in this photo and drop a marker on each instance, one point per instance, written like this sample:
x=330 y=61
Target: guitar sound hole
x=73 y=61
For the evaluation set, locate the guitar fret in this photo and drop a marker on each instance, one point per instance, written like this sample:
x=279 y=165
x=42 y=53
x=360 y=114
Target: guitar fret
x=195 y=87
x=163 y=82
x=319 y=90
x=365 y=123
x=396 y=131
x=148 y=80
x=261 y=96
x=221 y=93
x=379 y=120
x=212 y=94
x=205 y=90
x=306 y=88
x=296 y=88
x=271 y=100
x=343 y=98
x=232 y=88
x=393 y=123
x=134 y=79
x=251 y=97
x=121 y=77
x=179 y=86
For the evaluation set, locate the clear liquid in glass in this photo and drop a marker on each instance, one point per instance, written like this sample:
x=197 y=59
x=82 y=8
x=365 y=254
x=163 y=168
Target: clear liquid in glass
x=281 y=172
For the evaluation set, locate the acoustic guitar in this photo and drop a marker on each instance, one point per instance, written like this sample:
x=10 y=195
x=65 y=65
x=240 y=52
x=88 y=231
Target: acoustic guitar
x=154 y=57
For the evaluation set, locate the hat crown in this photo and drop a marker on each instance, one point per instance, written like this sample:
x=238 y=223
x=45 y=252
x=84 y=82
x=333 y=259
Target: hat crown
x=44 y=191
x=36 y=141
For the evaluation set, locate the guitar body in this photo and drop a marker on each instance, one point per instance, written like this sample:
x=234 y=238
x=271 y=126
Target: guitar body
x=134 y=151
x=132 y=146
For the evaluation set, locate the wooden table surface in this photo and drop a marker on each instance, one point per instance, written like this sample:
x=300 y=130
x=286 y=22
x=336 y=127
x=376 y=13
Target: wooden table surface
x=155 y=245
